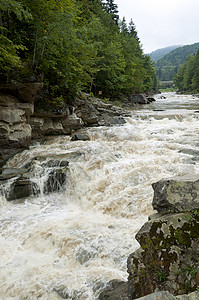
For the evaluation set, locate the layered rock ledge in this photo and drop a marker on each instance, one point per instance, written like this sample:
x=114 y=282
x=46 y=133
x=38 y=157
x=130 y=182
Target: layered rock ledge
x=21 y=121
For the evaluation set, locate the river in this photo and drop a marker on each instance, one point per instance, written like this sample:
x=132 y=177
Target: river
x=70 y=244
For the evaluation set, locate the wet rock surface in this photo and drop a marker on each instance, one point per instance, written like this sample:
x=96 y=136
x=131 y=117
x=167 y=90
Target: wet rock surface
x=80 y=137
x=116 y=290
x=176 y=194
x=23 y=182
x=167 y=296
x=21 y=121
x=168 y=259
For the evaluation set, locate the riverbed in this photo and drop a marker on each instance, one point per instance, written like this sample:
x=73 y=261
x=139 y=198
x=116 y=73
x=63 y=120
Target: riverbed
x=72 y=243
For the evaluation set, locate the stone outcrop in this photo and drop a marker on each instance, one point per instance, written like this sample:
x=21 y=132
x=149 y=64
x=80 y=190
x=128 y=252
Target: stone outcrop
x=140 y=99
x=168 y=259
x=16 y=107
x=80 y=137
x=84 y=111
x=176 y=194
x=167 y=296
x=42 y=126
x=116 y=290
x=20 y=122
x=15 y=130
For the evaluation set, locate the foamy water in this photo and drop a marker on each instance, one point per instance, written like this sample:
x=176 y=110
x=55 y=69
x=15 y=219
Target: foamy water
x=70 y=244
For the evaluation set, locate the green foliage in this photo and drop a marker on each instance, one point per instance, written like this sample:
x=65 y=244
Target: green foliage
x=162 y=276
x=75 y=45
x=11 y=14
x=187 y=78
x=168 y=66
x=159 y=53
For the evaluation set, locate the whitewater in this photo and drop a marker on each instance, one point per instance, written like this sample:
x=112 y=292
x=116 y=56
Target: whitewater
x=69 y=245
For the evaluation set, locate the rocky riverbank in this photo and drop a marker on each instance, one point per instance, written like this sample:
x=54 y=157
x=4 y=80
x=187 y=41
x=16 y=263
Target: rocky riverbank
x=21 y=121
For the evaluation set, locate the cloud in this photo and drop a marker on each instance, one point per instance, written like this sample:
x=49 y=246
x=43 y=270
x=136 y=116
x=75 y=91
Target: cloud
x=162 y=23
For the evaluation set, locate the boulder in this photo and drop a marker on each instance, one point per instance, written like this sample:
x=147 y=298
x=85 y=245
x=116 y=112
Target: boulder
x=138 y=99
x=80 y=137
x=150 y=99
x=168 y=259
x=176 y=194
x=159 y=296
x=116 y=290
x=87 y=112
x=56 y=181
x=108 y=120
x=21 y=189
x=167 y=296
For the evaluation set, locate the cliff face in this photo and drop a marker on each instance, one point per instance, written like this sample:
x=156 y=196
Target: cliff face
x=168 y=259
x=16 y=107
x=20 y=122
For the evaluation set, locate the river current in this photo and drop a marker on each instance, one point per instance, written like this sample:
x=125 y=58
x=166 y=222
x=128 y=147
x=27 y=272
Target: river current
x=72 y=243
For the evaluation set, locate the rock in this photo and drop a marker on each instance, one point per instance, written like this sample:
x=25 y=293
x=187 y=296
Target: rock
x=150 y=99
x=72 y=122
x=138 y=99
x=168 y=259
x=108 y=120
x=21 y=189
x=80 y=137
x=86 y=110
x=176 y=194
x=56 y=163
x=42 y=126
x=25 y=92
x=167 y=296
x=191 y=296
x=12 y=172
x=116 y=290
x=15 y=131
x=190 y=151
x=23 y=184
x=56 y=181
x=159 y=296
x=6 y=154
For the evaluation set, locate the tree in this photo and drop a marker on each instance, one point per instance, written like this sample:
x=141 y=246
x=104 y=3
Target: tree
x=11 y=12
x=112 y=9
x=132 y=30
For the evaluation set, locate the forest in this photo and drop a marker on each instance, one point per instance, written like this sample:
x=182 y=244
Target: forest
x=168 y=66
x=72 y=46
x=159 y=53
x=187 y=78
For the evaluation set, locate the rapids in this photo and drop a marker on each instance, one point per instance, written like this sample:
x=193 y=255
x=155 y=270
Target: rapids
x=72 y=243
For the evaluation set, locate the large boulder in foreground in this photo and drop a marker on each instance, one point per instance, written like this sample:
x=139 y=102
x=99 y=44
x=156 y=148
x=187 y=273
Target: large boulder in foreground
x=168 y=259
x=176 y=194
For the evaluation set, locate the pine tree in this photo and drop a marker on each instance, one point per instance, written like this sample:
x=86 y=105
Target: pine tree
x=112 y=9
x=123 y=27
x=132 y=30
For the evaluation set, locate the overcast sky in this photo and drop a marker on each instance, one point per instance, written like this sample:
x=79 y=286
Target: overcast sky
x=162 y=23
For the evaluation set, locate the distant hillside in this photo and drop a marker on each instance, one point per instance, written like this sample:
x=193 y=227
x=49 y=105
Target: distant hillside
x=159 y=53
x=168 y=66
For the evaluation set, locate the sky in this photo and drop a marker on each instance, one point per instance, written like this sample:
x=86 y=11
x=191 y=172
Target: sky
x=162 y=23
